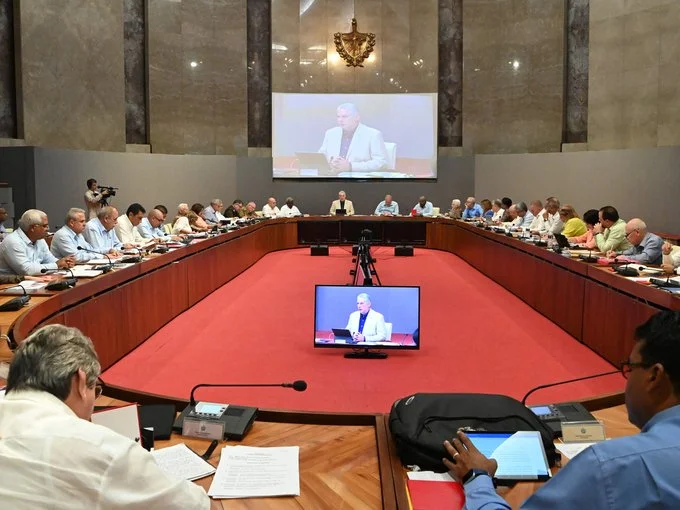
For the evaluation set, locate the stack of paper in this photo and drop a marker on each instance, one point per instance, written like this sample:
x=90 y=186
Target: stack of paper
x=85 y=272
x=181 y=463
x=251 y=472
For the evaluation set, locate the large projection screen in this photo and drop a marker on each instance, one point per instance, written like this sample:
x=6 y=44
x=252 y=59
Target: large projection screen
x=354 y=136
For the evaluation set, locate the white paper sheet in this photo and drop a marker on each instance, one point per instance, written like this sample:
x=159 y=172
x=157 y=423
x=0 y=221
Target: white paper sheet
x=249 y=472
x=83 y=272
x=180 y=462
x=571 y=450
x=430 y=476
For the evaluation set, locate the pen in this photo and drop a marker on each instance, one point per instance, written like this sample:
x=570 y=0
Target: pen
x=210 y=450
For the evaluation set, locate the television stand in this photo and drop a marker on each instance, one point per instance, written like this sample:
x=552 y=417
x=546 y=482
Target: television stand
x=365 y=354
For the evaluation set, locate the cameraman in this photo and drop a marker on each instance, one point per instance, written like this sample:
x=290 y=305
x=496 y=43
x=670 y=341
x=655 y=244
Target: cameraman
x=94 y=199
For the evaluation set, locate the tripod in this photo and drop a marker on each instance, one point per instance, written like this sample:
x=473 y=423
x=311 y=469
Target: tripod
x=364 y=264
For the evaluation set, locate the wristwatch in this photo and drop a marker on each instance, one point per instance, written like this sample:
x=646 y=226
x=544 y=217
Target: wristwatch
x=472 y=474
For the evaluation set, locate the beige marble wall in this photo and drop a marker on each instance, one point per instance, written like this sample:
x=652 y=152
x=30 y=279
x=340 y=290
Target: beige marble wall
x=634 y=97
x=71 y=82
x=197 y=76
x=405 y=58
x=513 y=53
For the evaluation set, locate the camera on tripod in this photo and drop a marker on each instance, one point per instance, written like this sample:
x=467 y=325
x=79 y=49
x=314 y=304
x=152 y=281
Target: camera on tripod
x=110 y=190
x=364 y=261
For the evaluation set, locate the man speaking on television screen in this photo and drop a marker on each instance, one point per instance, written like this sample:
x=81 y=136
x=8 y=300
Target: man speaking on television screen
x=353 y=146
x=366 y=325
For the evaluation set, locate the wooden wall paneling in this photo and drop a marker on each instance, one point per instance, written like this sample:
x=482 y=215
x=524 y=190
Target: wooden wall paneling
x=609 y=320
x=559 y=296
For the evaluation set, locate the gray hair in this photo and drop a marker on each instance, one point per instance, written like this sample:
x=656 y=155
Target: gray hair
x=365 y=297
x=216 y=201
x=455 y=202
x=72 y=214
x=637 y=223
x=521 y=206
x=48 y=359
x=30 y=218
x=350 y=107
x=497 y=203
x=290 y=199
x=105 y=211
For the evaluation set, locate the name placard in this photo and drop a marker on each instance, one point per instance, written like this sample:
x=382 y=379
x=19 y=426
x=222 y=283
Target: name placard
x=582 y=431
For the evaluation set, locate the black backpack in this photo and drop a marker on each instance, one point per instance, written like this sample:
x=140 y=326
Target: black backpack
x=421 y=422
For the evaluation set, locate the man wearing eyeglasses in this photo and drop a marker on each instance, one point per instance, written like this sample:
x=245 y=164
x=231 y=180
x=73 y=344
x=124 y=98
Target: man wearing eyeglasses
x=25 y=252
x=639 y=471
x=646 y=247
x=52 y=456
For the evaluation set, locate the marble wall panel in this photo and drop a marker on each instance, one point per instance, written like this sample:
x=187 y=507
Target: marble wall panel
x=8 y=110
x=198 y=76
x=369 y=79
x=423 y=46
x=72 y=80
x=135 y=71
x=450 y=73
x=633 y=99
x=398 y=71
x=313 y=48
x=576 y=99
x=285 y=27
x=513 y=83
x=259 y=73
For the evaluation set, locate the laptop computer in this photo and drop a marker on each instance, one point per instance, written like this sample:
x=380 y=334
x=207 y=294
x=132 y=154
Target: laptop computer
x=562 y=241
x=344 y=335
x=312 y=164
x=340 y=212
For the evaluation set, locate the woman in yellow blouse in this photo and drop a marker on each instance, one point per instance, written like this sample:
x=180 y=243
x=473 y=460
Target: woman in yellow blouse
x=573 y=225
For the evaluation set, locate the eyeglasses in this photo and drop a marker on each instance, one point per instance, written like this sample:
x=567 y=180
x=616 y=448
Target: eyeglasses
x=631 y=233
x=628 y=366
x=98 y=389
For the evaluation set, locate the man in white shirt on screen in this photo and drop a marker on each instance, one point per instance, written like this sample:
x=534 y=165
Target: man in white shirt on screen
x=289 y=210
x=353 y=146
x=366 y=325
x=270 y=210
x=52 y=456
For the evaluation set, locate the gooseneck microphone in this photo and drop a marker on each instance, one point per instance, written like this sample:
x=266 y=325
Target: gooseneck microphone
x=559 y=383
x=63 y=284
x=15 y=303
x=104 y=269
x=297 y=386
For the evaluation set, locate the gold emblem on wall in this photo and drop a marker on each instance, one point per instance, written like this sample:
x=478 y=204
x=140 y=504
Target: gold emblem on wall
x=354 y=47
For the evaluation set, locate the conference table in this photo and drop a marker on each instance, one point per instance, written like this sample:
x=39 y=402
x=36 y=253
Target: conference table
x=123 y=308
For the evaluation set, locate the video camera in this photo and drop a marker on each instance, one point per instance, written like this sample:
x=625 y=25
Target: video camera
x=110 y=190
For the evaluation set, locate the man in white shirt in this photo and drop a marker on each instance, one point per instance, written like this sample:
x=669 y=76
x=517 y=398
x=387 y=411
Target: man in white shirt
x=549 y=221
x=25 y=252
x=126 y=227
x=68 y=238
x=366 y=325
x=536 y=208
x=52 y=456
x=3 y=219
x=270 y=210
x=94 y=198
x=671 y=258
x=100 y=233
x=422 y=208
x=342 y=204
x=289 y=210
x=524 y=217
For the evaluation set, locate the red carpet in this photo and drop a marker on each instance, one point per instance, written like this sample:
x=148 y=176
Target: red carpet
x=475 y=337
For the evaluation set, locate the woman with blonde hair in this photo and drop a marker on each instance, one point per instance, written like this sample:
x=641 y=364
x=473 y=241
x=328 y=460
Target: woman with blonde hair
x=573 y=225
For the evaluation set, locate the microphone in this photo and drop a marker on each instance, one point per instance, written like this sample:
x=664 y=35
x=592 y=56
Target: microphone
x=16 y=303
x=104 y=269
x=297 y=386
x=550 y=385
x=63 y=284
x=625 y=270
x=589 y=257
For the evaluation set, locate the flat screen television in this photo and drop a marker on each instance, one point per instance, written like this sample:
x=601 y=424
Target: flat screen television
x=366 y=319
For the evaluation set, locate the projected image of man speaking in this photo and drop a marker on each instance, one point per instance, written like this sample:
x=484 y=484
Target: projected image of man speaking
x=366 y=325
x=353 y=146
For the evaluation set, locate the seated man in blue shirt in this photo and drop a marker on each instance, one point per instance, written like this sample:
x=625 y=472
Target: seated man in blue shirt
x=25 y=252
x=150 y=227
x=66 y=240
x=639 y=471
x=387 y=207
x=646 y=247
x=100 y=233
x=472 y=209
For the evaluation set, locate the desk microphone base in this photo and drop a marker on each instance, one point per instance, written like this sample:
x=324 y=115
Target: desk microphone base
x=237 y=421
